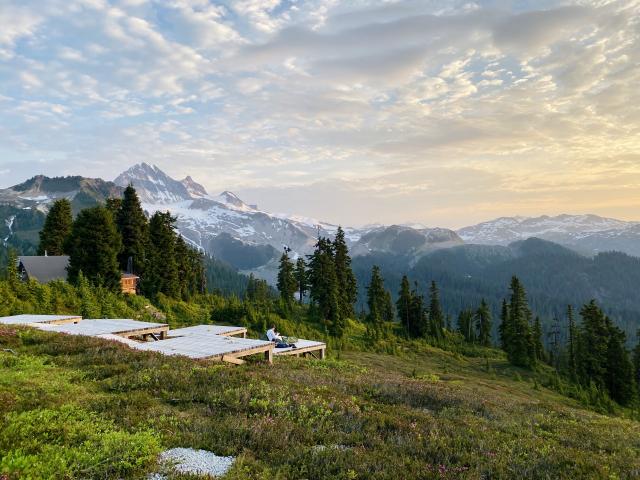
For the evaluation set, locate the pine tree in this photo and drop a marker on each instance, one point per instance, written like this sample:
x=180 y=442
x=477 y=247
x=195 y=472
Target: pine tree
x=12 y=268
x=302 y=282
x=572 y=346
x=93 y=246
x=436 y=317
x=465 y=325
x=593 y=345
x=346 y=280
x=521 y=347
x=483 y=324
x=286 y=279
x=134 y=229
x=619 y=369
x=636 y=362
x=257 y=290
x=504 y=329
x=56 y=229
x=403 y=307
x=161 y=272
x=323 y=287
x=538 y=347
x=418 y=314
x=376 y=300
x=189 y=262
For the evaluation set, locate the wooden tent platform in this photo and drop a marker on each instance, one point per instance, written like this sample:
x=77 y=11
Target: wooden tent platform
x=123 y=327
x=198 y=330
x=29 y=319
x=303 y=347
x=209 y=347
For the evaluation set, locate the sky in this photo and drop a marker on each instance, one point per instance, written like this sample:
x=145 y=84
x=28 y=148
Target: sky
x=353 y=112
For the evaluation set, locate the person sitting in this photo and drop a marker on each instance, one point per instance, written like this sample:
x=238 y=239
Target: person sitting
x=278 y=339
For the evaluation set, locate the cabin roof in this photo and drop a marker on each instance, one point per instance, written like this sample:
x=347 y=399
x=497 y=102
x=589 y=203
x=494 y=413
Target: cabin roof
x=45 y=268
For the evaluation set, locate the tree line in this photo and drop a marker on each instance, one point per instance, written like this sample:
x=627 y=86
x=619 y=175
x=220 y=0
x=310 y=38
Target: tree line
x=106 y=240
x=594 y=357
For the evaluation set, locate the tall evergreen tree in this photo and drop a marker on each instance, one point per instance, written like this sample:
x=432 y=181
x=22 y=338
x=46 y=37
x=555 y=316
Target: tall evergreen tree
x=483 y=323
x=134 y=229
x=323 y=287
x=379 y=302
x=619 y=369
x=504 y=329
x=572 y=345
x=436 y=317
x=593 y=345
x=286 y=279
x=521 y=348
x=418 y=313
x=161 y=273
x=403 y=308
x=465 y=325
x=538 y=347
x=190 y=265
x=346 y=280
x=56 y=229
x=302 y=282
x=93 y=246
x=636 y=362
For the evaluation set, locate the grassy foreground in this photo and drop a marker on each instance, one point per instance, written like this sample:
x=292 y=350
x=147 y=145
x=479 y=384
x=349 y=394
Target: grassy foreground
x=76 y=407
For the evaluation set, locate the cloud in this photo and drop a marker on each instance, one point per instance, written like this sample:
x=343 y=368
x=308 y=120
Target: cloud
x=406 y=100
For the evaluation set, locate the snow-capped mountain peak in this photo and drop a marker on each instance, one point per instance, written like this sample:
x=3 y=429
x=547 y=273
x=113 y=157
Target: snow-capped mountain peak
x=194 y=188
x=153 y=185
x=570 y=230
x=232 y=200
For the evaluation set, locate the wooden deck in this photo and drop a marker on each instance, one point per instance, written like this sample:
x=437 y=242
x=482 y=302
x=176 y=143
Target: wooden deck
x=124 y=327
x=197 y=330
x=29 y=319
x=210 y=347
x=304 y=348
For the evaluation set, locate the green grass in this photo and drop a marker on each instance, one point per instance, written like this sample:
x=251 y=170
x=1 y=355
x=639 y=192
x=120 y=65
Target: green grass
x=76 y=407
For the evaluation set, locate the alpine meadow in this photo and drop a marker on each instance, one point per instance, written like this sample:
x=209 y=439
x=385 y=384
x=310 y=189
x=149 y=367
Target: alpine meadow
x=423 y=262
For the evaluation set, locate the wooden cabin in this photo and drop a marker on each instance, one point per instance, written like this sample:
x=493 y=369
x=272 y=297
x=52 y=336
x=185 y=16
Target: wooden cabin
x=129 y=283
x=47 y=268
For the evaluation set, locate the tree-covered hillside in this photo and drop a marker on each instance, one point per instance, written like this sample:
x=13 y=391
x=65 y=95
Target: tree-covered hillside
x=554 y=276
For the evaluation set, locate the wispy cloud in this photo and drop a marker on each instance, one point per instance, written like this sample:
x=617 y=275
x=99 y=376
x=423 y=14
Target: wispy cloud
x=449 y=111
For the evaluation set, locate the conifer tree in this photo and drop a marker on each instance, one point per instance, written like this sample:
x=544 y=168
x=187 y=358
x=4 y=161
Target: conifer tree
x=323 y=287
x=376 y=300
x=191 y=275
x=418 y=314
x=286 y=279
x=504 y=329
x=12 y=268
x=619 y=369
x=302 y=282
x=538 y=347
x=93 y=247
x=403 y=307
x=134 y=229
x=56 y=229
x=483 y=324
x=257 y=290
x=346 y=280
x=465 y=325
x=572 y=346
x=521 y=348
x=161 y=272
x=593 y=345
x=636 y=362
x=436 y=317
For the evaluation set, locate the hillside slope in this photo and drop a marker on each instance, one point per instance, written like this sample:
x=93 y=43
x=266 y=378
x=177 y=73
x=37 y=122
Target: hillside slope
x=554 y=277
x=428 y=414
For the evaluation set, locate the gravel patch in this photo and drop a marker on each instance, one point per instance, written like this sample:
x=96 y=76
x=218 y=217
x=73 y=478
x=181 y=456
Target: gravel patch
x=194 y=462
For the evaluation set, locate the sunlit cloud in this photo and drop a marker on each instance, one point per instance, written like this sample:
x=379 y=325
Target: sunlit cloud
x=439 y=113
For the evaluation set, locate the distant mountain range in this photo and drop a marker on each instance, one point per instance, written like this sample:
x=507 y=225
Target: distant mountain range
x=251 y=239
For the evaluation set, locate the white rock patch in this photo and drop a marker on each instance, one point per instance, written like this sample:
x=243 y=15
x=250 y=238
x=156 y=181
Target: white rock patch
x=196 y=462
